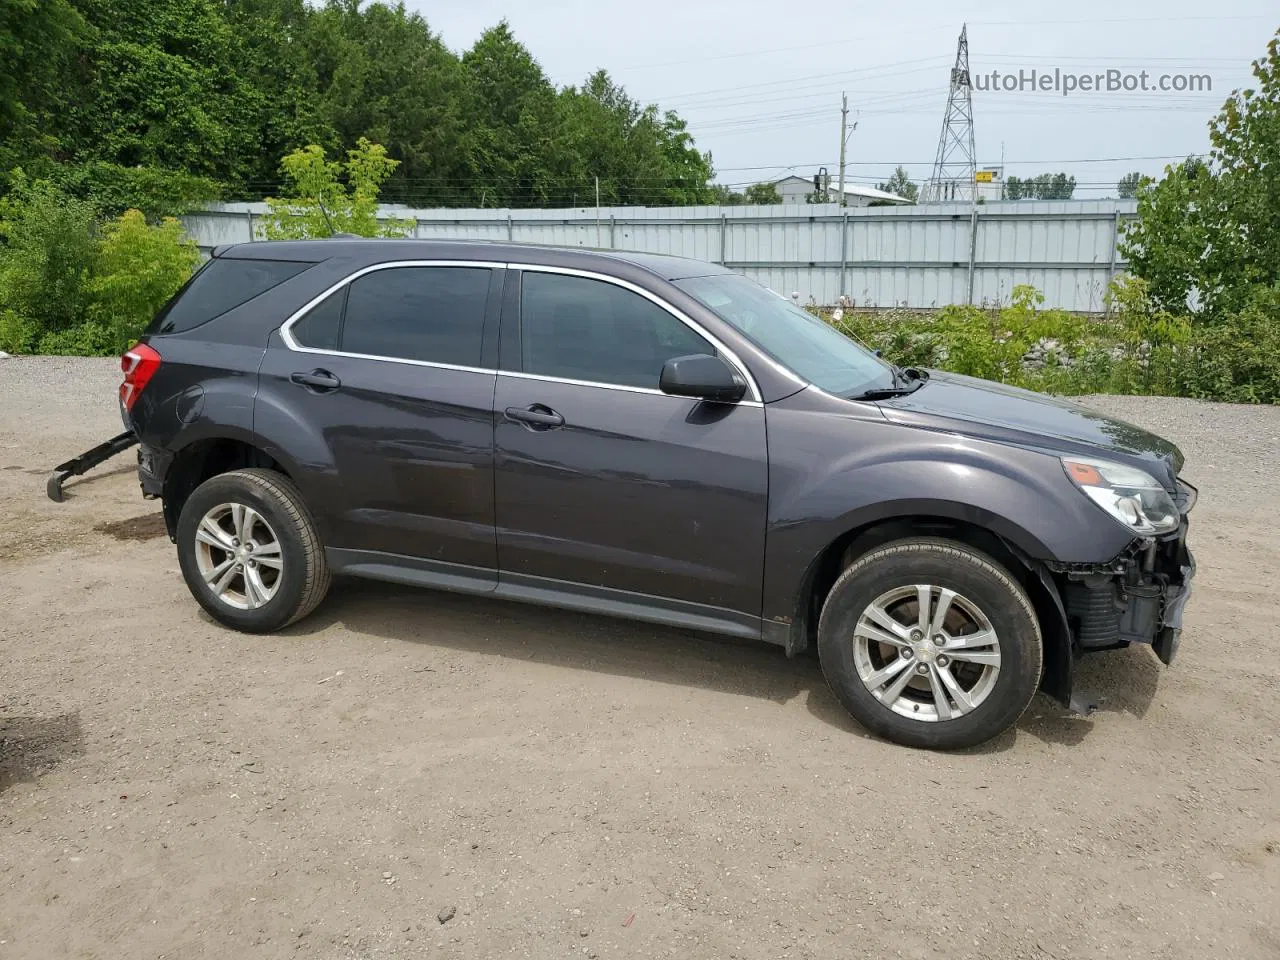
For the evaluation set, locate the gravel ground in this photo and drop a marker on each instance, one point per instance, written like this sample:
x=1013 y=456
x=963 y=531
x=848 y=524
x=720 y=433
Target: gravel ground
x=573 y=786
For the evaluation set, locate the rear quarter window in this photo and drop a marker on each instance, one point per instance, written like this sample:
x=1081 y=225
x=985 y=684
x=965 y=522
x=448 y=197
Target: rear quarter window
x=221 y=285
x=320 y=326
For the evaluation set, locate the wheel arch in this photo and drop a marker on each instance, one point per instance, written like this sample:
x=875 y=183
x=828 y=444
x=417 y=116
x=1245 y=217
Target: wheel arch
x=826 y=566
x=208 y=457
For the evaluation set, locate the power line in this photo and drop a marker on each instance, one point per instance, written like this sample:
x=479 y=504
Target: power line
x=751 y=53
x=935 y=26
x=1092 y=20
x=828 y=75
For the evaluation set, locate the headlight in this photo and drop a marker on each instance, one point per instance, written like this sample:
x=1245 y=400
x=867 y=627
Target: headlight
x=1132 y=496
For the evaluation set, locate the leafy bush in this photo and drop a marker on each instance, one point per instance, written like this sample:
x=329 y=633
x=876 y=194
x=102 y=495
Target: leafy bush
x=139 y=267
x=17 y=333
x=323 y=205
x=47 y=246
x=66 y=288
x=1238 y=360
x=1138 y=348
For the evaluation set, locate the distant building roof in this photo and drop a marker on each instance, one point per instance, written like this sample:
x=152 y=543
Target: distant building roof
x=852 y=190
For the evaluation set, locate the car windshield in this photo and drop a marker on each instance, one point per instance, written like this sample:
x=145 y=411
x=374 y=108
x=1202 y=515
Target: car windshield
x=810 y=348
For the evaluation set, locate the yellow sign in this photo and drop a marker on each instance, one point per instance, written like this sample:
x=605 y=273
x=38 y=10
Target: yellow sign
x=983 y=176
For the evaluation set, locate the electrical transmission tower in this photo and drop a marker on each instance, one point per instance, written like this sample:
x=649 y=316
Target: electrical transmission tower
x=956 y=166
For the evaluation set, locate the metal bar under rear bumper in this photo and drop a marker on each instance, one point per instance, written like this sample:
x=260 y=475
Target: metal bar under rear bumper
x=85 y=462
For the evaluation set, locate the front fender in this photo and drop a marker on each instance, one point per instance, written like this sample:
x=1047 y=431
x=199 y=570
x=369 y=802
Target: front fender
x=885 y=471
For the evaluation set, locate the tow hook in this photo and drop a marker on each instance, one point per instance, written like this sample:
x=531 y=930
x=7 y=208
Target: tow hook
x=86 y=462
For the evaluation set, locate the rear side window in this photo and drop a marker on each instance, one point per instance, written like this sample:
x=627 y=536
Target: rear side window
x=220 y=285
x=418 y=313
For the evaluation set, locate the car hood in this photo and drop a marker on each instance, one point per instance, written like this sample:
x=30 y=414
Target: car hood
x=994 y=411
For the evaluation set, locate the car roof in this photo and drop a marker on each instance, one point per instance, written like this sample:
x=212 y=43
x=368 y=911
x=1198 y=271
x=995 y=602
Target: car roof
x=376 y=250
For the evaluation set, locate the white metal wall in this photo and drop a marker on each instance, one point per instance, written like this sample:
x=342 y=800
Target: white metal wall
x=919 y=256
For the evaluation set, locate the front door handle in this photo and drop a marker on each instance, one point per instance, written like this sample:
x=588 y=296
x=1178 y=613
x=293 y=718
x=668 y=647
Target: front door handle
x=321 y=381
x=538 y=416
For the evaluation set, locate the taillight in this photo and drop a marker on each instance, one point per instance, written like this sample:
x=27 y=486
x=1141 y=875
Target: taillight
x=139 y=363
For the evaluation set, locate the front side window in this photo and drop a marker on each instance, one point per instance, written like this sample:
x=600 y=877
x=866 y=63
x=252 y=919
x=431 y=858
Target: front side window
x=434 y=314
x=577 y=328
x=802 y=343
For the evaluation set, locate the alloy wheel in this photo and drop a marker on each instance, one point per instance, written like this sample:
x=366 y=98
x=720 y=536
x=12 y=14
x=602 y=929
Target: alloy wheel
x=239 y=556
x=926 y=652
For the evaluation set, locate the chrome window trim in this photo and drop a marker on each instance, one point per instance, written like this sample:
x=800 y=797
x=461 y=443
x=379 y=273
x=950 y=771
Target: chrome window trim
x=286 y=328
x=693 y=325
x=625 y=388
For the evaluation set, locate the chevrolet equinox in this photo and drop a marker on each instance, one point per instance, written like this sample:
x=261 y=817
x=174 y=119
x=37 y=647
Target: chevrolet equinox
x=654 y=438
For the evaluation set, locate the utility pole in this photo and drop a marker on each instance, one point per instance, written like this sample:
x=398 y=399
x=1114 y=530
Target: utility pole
x=597 y=212
x=844 y=121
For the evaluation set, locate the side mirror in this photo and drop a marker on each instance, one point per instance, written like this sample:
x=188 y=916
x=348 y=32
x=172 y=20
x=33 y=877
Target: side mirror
x=702 y=377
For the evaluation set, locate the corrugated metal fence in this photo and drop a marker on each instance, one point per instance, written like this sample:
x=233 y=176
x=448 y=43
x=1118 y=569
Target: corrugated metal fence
x=919 y=256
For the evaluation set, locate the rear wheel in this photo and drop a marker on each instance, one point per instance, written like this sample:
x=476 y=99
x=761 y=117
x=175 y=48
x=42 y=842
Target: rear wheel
x=249 y=551
x=930 y=643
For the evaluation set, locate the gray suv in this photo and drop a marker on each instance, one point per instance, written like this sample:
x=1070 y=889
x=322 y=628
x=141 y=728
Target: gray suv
x=652 y=438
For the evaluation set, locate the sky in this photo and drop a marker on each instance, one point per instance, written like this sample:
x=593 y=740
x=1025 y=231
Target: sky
x=760 y=83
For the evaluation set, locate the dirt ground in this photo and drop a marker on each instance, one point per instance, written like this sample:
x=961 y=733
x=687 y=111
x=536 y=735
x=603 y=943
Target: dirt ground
x=574 y=786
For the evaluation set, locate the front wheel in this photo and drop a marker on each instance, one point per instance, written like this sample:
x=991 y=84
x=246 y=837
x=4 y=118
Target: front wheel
x=249 y=551
x=930 y=643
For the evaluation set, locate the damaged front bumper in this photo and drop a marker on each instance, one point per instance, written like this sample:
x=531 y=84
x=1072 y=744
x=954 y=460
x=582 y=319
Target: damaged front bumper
x=1137 y=598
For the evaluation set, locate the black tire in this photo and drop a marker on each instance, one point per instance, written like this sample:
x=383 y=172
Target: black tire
x=303 y=580
x=977 y=578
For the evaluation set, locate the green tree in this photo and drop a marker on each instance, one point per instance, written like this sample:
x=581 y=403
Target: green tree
x=113 y=189
x=1045 y=186
x=719 y=195
x=274 y=57
x=763 y=193
x=158 y=104
x=1208 y=234
x=1127 y=187
x=900 y=183
x=381 y=73
x=512 y=123
x=323 y=205
x=165 y=89
x=39 y=40
x=1167 y=243
x=641 y=155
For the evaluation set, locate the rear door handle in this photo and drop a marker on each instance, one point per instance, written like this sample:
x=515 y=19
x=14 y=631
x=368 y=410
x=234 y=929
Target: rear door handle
x=321 y=381
x=536 y=416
